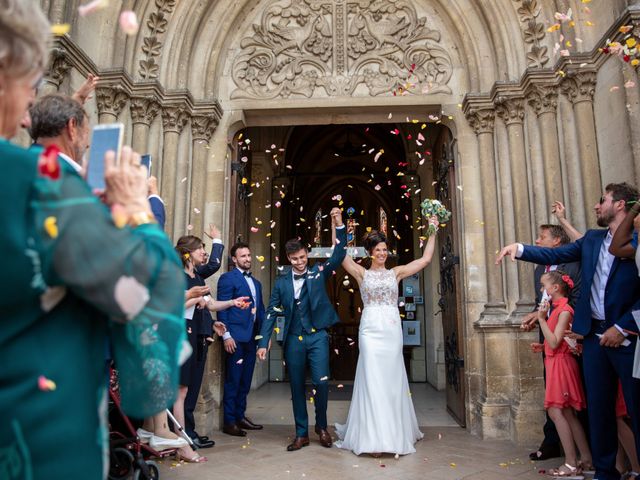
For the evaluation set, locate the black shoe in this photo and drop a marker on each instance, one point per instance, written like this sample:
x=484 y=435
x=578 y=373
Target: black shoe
x=202 y=438
x=545 y=452
x=199 y=443
x=233 y=429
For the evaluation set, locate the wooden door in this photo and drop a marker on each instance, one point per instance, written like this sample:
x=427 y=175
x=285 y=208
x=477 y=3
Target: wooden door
x=449 y=285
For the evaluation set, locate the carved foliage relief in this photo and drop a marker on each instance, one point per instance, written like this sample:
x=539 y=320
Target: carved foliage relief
x=340 y=48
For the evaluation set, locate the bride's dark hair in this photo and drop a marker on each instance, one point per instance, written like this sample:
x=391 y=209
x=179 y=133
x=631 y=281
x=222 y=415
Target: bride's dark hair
x=373 y=238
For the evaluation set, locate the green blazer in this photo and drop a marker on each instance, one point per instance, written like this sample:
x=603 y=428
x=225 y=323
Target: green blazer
x=72 y=284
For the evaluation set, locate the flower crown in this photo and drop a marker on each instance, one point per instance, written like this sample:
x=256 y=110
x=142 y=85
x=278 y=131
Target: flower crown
x=567 y=279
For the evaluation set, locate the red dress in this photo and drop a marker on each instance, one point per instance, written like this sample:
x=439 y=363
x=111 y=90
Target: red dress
x=564 y=387
x=621 y=407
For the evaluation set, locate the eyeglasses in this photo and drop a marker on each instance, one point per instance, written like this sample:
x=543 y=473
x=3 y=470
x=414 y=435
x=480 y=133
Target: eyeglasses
x=602 y=200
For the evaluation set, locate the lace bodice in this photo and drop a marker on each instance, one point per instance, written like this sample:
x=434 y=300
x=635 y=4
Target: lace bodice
x=379 y=287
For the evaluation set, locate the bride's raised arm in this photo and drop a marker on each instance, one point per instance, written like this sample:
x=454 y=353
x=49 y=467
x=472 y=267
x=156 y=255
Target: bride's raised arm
x=353 y=269
x=404 y=271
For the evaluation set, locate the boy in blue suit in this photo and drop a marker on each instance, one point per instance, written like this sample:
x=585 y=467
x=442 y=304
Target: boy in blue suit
x=302 y=299
x=603 y=315
x=239 y=340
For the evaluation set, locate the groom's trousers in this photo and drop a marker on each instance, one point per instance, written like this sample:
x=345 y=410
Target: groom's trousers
x=314 y=349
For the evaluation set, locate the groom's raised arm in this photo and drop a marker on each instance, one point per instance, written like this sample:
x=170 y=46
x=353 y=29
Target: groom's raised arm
x=268 y=324
x=340 y=248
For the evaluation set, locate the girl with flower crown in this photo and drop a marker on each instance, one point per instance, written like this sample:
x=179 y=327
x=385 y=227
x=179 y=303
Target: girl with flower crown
x=564 y=394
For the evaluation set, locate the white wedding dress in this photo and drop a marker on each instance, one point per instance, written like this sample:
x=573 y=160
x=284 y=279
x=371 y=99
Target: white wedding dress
x=381 y=416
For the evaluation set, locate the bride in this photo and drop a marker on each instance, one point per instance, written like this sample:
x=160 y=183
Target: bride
x=381 y=416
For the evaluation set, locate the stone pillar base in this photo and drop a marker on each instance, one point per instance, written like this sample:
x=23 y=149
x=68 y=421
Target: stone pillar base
x=493 y=420
x=526 y=423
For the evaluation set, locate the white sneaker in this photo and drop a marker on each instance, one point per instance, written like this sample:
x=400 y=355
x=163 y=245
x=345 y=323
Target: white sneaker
x=160 y=443
x=144 y=435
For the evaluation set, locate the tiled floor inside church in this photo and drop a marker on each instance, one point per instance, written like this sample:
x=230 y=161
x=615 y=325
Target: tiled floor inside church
x=446 y=453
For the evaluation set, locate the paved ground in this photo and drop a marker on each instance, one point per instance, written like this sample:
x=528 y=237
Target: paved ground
x=446 y=453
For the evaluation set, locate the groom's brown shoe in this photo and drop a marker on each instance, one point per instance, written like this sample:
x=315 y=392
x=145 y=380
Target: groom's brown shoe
x=248 y=424
x=298 y=443
x=325 y=438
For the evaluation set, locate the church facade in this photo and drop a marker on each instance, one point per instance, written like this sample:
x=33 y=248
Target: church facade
x=260 y=113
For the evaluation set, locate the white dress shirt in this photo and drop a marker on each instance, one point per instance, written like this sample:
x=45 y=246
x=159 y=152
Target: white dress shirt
x=252 y=288
x=297 y=284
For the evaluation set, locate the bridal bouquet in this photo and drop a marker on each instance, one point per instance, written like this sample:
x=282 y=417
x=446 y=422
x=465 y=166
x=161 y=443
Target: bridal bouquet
x=431 y=208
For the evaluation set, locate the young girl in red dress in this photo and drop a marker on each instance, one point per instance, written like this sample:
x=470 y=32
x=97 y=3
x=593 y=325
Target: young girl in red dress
x=564 y=394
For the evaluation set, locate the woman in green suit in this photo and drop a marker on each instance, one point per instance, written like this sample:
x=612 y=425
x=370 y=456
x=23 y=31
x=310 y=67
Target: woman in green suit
x=71 y=279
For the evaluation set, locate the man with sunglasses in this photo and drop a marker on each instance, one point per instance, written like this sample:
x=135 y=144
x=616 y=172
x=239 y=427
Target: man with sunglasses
x=603 y=315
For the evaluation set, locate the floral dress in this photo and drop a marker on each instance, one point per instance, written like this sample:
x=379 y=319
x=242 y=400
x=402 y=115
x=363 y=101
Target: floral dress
x=73 y=283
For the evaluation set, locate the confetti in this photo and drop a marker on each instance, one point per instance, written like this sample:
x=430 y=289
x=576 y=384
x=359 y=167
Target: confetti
x=95 y=5
x=45 y=384
x=60 y=29
x=239 y=362
x=51 y=227
x=129 y=22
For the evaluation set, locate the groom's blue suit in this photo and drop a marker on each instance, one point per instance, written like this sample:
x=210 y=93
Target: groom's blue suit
x=602 y=365
x=305 y=334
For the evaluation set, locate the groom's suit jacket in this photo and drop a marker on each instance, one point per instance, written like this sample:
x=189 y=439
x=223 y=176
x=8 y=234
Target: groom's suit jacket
x=622 y=292
x=281 y=303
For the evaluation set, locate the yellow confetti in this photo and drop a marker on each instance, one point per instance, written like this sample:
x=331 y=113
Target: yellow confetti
x=589 y=23
x=277 y=329
x=635 y=62
x=553 y=28
x=452 y=465
x=260 y=258
x=51 y=227
x=60 y=29
x=244 y=181
x=300 y=338
x=626 y=28
x=631 y=42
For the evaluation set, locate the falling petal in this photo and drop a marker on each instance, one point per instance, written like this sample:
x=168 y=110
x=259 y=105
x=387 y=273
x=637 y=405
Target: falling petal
x=129 y=22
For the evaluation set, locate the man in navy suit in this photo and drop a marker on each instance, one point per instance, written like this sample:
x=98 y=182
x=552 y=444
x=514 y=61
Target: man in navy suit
x=239 y=340
x=603 y=315
x=302 y=299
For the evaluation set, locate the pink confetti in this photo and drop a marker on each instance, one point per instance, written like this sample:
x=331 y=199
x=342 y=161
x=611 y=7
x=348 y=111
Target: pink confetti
x=254 y=229
x=95 y=5
x=129 y=22
x=45 y=384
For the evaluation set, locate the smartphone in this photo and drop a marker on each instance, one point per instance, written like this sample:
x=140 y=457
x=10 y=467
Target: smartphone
x=145 y=161
x=103 y=138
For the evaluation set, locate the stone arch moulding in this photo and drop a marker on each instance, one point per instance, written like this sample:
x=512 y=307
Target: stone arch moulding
x=341 y=47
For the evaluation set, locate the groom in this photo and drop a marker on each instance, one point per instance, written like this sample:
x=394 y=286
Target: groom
x=302 y=298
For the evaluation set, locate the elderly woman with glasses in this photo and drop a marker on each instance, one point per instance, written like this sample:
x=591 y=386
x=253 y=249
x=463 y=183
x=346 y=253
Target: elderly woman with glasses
x=74 y=274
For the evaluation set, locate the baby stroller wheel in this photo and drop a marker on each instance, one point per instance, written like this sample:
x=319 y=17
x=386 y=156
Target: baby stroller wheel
x=152 y=469
x=121 y=464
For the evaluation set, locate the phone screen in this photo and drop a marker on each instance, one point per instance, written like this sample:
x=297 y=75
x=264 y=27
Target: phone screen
x=145 y=161
x=103 y=139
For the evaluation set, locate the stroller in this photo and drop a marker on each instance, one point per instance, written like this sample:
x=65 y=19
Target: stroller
x=130 y=459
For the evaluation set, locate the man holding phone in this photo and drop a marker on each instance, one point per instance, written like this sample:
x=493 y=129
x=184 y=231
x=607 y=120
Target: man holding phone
x=61 y=121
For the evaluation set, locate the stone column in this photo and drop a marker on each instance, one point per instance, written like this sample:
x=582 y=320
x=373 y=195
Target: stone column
x=511 y=111
x=143 y=111
x=58 y=70
x=202 y=129
x=110 y=99
x=544 y=100
x=580 y=87
x=482 y=121
x=174 y=119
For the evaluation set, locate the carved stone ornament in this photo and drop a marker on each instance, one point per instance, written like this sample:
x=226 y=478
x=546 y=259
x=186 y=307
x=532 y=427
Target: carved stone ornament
x=203 y=127
x=533 y=32
x=152 y=44
x=59 y=66
x=144 y=110
x=510 y=110
x=111 y=99
x=543 y=98
x=344 y=47
x=482 y=120
x=579 y=87
x=174 y=118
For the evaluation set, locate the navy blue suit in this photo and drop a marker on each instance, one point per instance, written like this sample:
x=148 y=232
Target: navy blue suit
x=305 y=334
x=200 y=344
x=157 y=208
x=243 y=325
x=603 y=366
